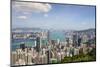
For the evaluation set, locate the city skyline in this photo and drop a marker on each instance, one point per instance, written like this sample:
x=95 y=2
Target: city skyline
x=49 y=33
x=52 y=16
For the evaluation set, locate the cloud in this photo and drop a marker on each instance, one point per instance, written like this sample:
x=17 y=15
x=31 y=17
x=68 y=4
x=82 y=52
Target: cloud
x=45 y=15
x=26 y=13
x=31 y=7
x=22 y=17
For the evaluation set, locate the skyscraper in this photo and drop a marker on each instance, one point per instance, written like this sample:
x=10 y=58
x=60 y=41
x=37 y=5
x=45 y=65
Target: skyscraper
x=79 y=42
x=14 y=57
x=58 y=41
x=38 y=44
x=48 y=36
x=48 y=56
x=22 y=46
x=75 y=40
x=67 y=40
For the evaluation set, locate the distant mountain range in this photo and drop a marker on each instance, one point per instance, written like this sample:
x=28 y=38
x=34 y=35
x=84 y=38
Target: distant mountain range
x=87 y=30
x=32 y=29
x=26 y=29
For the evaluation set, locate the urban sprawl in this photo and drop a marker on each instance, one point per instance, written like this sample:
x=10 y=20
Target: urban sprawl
x=49 y=51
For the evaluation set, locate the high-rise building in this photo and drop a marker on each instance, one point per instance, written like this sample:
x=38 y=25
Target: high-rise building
x=84 y=38
x=35 y=43
x=76 y=51
x=22 y=46
x=68 y=51
x=58 y=41
x=62 y=55
x=38 y=44
x=53 y=42
x=43 y=59
x=58 y=56
x=29 y=56
x=26 y=58
x=71 y=51
x=75 y=39
x=48 y=56
x=48 y=36
x=67 y=40
x=21 y=62
x=85 y=50
x=79 y=42
x=14 y=57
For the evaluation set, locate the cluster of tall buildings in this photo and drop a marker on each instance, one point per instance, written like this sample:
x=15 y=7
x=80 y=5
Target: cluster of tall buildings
x=53 y=51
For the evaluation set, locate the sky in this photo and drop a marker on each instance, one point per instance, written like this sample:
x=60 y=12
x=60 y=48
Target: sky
x=52 y=16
